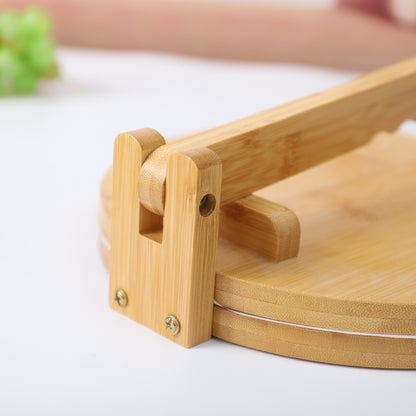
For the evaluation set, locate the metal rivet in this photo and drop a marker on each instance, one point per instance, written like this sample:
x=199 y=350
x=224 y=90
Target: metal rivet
x=207 y=205
x=120 y=297
x=172 y=325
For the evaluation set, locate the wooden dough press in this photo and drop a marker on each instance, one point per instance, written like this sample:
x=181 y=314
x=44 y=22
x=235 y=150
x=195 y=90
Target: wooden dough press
x=196 y=247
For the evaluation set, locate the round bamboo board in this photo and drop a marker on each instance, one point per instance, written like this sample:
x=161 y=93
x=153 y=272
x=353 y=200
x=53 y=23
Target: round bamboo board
x=350 y=296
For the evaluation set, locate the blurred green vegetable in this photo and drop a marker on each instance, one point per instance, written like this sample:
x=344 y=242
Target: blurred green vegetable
x=26 y=50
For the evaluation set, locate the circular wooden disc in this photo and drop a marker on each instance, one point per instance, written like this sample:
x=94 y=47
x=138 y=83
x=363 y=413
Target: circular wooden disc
x=350 y=296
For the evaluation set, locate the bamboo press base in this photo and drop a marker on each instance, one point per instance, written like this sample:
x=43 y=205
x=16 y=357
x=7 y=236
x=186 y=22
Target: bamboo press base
x=349 y=297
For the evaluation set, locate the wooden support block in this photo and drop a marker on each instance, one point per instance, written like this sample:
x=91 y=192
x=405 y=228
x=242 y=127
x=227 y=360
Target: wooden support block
x=190 y=242
x=126 y=268
x=165 y=272
x=261 y=226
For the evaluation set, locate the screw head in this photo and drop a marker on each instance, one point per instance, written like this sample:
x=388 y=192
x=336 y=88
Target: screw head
x=172 y=325
x=120 y=297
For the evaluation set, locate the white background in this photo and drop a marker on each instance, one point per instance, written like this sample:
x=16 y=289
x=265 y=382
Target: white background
x=62 y=350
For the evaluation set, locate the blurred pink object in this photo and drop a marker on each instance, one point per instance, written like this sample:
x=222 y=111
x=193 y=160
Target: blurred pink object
x=404 y=11
x=380 y=7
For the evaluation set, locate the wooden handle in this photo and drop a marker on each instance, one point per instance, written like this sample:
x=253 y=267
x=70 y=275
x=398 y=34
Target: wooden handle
x=275 y=144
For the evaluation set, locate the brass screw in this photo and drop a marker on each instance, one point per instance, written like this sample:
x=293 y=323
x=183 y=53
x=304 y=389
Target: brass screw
x=172 y=325
x=120 y=297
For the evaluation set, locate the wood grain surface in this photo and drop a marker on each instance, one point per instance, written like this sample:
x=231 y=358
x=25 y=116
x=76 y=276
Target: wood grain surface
x=262 y=227
x=267 y=147
x=166 y=269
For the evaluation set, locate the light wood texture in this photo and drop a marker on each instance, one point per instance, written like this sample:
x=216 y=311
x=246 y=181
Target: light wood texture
x=275 y=144
x=170 y=270
x=356 y=269
x=261 y=226
x=315 y=345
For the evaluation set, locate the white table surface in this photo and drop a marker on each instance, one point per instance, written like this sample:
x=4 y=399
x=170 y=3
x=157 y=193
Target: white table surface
x=62 y=350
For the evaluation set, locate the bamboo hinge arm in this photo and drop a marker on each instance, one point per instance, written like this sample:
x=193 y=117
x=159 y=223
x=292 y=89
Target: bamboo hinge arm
x=272 y=145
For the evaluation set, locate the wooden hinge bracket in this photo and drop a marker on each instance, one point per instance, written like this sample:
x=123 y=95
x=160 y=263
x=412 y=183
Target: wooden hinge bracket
x=162 y=268
x=165 y=266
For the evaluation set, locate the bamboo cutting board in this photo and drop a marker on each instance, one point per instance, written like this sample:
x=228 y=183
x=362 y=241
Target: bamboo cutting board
x=349 y=297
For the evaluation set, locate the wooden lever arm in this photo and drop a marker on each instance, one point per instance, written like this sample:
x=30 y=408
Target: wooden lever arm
x=274 y=144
